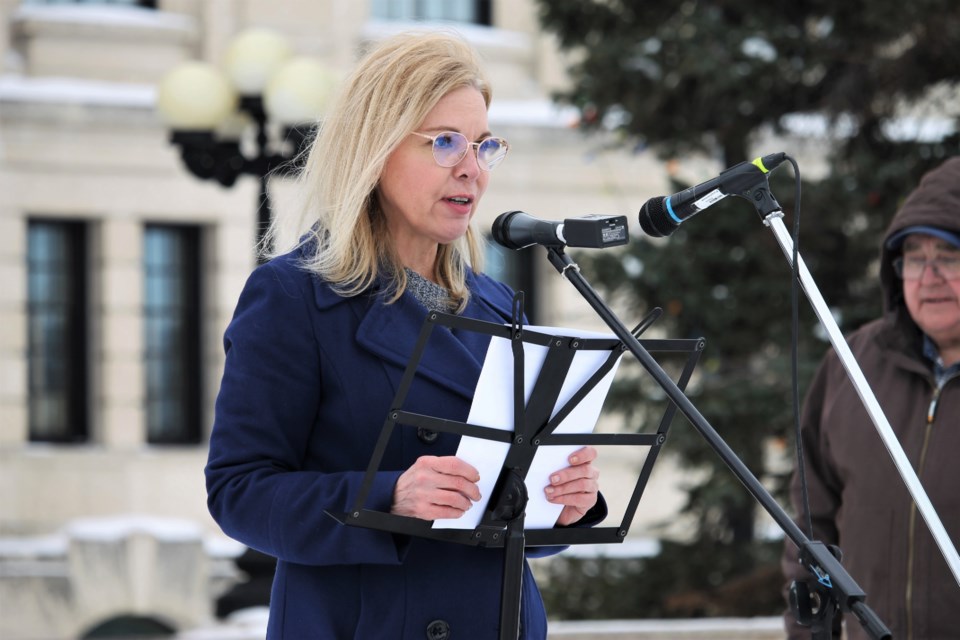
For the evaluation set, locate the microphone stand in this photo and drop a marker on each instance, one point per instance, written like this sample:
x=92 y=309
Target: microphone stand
x=774 y=220
x=835 y=583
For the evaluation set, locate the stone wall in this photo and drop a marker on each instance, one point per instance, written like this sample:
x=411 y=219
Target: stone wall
x=96 y=570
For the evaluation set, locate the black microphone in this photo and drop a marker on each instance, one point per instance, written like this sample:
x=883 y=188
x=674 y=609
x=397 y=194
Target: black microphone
x=519 y=230
x=661 y=216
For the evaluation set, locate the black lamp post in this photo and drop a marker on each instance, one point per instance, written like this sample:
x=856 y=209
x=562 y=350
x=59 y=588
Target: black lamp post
x=264 y=90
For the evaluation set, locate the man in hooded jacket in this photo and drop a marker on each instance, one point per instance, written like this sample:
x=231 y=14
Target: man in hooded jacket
x=911 y=358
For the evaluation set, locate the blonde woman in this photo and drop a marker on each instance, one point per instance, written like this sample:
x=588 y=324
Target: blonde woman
x=318 y=344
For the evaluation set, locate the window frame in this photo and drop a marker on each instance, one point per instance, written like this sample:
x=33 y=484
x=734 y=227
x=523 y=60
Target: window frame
x=74 y=361
x=482 y=12
x=142 y=4
x=186 y=383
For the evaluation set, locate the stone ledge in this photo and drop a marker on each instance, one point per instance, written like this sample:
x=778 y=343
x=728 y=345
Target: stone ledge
x=251 y=624
x=768 y=628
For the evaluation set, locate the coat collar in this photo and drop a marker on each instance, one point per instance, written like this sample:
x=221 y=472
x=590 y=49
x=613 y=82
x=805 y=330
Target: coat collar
x=452 y=358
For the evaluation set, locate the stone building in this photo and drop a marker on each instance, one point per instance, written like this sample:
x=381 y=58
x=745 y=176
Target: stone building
x=120 y=271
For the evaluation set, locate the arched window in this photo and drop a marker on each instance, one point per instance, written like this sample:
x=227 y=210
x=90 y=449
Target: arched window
x=130 y=627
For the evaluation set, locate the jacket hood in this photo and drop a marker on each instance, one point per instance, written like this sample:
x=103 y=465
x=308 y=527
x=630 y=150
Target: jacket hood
x=934 y=203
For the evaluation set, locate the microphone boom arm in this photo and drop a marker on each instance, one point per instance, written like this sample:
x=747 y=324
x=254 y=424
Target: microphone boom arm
x=774 y=220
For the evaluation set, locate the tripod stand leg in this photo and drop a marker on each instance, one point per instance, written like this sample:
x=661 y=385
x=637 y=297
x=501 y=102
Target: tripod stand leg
x=512 y=580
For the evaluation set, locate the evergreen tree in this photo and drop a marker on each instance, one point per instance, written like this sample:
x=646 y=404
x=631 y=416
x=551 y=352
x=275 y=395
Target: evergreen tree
x=711 y=76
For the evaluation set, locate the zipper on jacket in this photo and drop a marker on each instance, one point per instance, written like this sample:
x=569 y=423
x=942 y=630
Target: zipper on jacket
x=911 y=534
x=932 y=409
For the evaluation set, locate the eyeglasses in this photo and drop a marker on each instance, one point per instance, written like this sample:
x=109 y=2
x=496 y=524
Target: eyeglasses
x=911 y=268
x=449 y=147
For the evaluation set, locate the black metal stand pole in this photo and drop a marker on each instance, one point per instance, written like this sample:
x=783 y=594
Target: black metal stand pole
x=512 y=587
x=822 y=563
x=510 y=503
x=264 y=216
x=260 y=166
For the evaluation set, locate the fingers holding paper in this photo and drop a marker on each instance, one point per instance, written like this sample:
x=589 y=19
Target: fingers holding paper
x=435 y=488
x=576 y=486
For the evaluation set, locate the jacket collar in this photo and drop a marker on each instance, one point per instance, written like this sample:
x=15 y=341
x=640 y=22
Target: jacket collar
x=452 y=358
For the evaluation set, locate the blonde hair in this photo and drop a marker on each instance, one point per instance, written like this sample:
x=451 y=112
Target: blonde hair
x=386 y=97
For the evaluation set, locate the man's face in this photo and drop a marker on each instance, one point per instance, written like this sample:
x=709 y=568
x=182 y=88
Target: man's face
x=933 y=296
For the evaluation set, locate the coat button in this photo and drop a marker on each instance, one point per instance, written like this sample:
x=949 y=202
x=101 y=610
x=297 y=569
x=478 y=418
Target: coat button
x=426 y=436
x=438 y=630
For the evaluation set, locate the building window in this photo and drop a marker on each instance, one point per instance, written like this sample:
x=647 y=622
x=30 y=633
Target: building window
x=172 y=333
x=146 y=4
x=58 y=386
x=469 y=11
x=517 y=269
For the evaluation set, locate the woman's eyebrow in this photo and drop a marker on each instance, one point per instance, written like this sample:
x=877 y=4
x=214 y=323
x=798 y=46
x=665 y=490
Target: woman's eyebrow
x=485 y=134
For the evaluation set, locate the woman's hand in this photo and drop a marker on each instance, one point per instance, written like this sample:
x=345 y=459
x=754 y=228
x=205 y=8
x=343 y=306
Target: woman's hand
x=576 y=486
x=435 y=488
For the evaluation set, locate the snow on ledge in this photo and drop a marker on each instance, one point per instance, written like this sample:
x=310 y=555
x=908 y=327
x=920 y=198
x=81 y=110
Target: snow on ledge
x=15 y=88
x=103 y=15
x=112 y=528
x=30 y=90
x=219 y=546
x=53 y=546
x=477 y=35
x=681 y=627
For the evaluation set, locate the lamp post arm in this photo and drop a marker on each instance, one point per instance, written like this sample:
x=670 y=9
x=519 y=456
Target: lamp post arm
x=210 y=158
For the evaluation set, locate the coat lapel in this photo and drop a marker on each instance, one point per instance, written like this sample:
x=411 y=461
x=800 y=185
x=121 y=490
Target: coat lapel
x=451 y=359
x=390 y=332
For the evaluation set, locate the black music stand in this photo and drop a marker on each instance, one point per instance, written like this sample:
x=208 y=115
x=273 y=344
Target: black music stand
x=502 y=524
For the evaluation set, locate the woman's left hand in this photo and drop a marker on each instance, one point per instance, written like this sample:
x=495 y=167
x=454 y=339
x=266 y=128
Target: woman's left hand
x=576 y=486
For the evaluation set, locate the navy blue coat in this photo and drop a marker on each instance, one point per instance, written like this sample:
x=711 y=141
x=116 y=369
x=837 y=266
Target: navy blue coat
x=308 y=379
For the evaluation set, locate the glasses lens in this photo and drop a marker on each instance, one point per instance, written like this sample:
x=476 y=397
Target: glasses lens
x=947 y=267
x=449 y=148
x=491 y=152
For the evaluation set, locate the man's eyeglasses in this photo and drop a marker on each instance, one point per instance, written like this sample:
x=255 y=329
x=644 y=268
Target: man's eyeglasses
x=449 y=147
x=911 y=268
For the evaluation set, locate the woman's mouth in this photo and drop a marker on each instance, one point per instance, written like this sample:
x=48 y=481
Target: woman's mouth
x=462 y=205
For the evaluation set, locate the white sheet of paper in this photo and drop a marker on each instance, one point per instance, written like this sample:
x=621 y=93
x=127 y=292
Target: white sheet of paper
x=493 y=407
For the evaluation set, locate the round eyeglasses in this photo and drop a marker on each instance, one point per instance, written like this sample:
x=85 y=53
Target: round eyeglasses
x=449 y=147
x=911 y=268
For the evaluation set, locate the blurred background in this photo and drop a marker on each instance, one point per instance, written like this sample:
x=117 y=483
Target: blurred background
x=144 y=144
